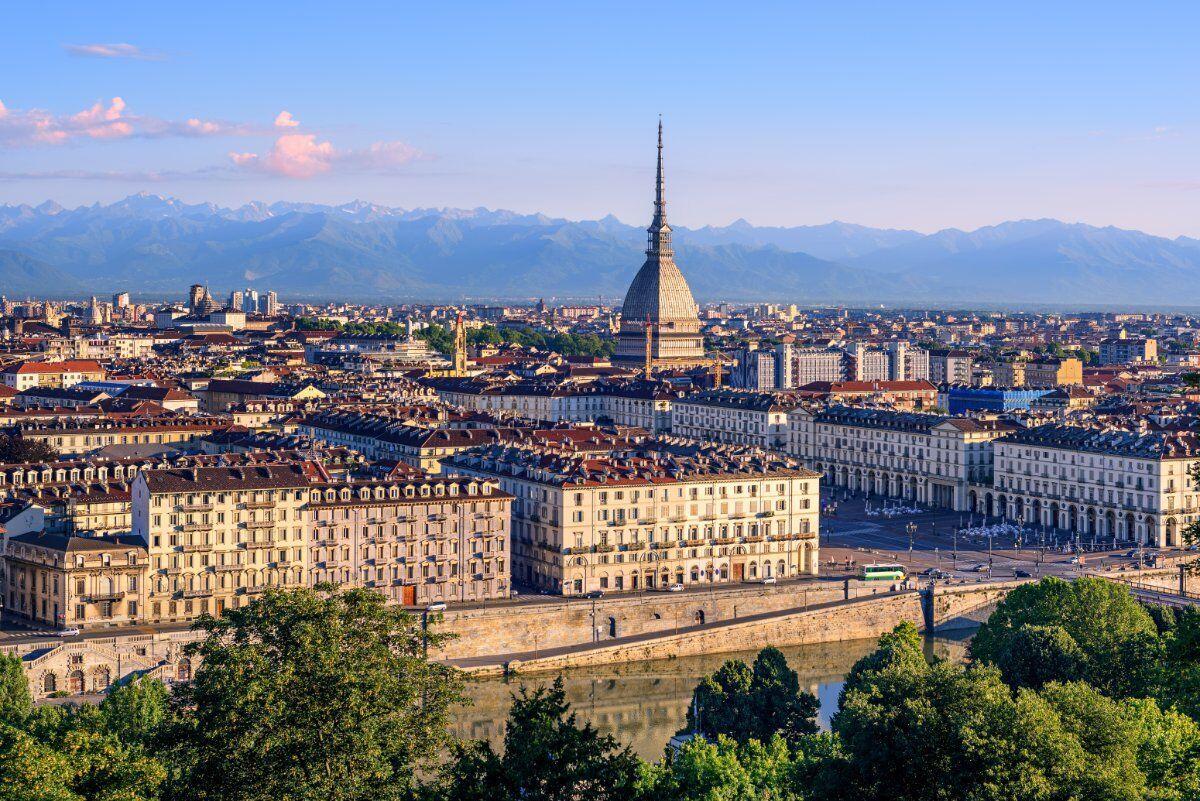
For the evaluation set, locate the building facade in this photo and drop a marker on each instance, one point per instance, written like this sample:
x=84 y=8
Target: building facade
x=924 y=458
x=662 y=514
x=1107 y=484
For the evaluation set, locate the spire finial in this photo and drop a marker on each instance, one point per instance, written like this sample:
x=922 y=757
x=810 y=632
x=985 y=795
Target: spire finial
x=659 y=200
x=659 y=244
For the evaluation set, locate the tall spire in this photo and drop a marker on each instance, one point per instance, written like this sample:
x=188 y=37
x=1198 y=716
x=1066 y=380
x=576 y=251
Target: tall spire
x=658 y=243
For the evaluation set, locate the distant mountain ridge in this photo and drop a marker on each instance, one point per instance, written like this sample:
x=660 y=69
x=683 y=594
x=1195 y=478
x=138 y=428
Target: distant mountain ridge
x=152 y=245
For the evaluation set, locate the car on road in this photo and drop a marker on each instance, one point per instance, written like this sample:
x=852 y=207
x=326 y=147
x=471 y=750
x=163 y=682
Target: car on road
x=71 y=632
x=981 y=568
x=675 y=588
x=1022 y=573
x=594 y=594
x=1073 y=560
x=770 y=580
x=1131 y=554
x=437 y=607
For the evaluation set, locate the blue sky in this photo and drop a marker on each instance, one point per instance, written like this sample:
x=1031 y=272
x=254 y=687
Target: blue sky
x=920 y=116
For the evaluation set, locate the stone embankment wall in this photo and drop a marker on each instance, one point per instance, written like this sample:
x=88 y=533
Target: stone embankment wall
x=868 y=617
x=554 y=623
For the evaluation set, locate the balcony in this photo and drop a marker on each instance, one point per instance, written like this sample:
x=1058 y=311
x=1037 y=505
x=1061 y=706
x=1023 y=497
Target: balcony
x=196 y=546
x=196 y=593
x=228 y=568
x=258 y=505
x=604 y=548
x=258 y=524
x=195 y=507
x=196 y=527
x=100 y=597
x=259 y=544
x=635 y=546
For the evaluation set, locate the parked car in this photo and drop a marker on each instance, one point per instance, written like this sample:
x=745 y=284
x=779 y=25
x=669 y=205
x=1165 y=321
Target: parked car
x=770 y=580
x=71 y=632
x=675 y=588
x=981 y=568
x=594 y=594
x=1074 y=560
x=437 y=607
x=1022 y=573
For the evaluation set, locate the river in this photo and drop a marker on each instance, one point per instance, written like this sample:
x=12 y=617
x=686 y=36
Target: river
x=642 y=704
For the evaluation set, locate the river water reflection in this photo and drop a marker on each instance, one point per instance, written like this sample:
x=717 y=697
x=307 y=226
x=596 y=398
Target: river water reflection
x=643 y=703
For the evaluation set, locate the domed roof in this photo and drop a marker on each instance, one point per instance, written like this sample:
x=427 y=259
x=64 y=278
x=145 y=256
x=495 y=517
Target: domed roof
x=660 y=292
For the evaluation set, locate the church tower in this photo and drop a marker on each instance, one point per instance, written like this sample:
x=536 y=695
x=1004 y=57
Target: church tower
x=659 y=299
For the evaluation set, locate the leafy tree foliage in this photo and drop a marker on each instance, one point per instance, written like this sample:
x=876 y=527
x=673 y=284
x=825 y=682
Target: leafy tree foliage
x=18 y=450
x=1035 y=655
x=727 y=771
x=1117 y=640
x=137 y=711
x=547 y=756
x=910 y=729
x=753 y=703
x=311 y=694
x=15 y=701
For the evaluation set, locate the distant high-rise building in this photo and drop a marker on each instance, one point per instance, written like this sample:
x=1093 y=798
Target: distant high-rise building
x=268 y=304
x=120 y=300
x=235 y=300
x=250 y=301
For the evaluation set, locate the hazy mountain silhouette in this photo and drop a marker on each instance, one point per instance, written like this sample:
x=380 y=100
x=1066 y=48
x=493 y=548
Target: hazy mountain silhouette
x=154 y=245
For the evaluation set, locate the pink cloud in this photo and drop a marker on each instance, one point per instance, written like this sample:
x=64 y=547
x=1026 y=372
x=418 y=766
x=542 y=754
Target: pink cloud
x=243 y=159
x=286 y=120
x=302 y=156
x=103 y=121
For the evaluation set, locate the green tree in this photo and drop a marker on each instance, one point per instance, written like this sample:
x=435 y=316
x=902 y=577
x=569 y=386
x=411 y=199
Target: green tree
x=1115 y=634
x=30 y=771
x=1035 y=655
x=137 y=711
x=726 y=771
x=99 y=765
x=15 y=701
x=311 y=694
x=547 y=756
x=744 y=703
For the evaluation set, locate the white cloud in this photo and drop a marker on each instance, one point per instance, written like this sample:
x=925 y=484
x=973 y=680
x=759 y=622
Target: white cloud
x=113 y=50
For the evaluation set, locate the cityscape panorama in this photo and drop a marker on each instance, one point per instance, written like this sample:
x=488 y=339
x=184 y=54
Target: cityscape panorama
x=443 y=404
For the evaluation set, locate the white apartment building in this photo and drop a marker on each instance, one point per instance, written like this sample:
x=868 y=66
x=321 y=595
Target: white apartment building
x=663 y=513
x=925 y=458
x=637 y=403
x=217 y=536
x=757 y=419
x=1105 y=484
x=817 y=364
